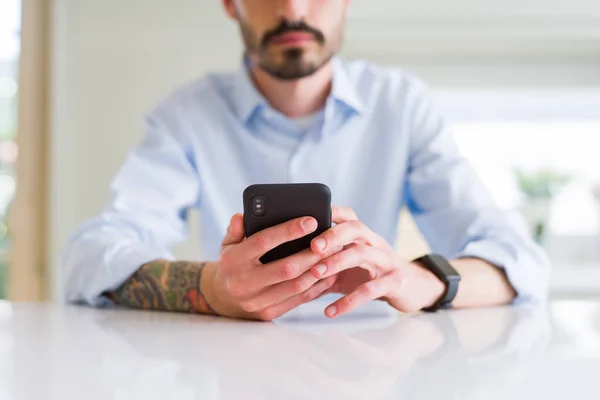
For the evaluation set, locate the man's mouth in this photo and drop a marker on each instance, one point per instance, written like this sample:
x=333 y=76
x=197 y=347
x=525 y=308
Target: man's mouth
x=294 y=38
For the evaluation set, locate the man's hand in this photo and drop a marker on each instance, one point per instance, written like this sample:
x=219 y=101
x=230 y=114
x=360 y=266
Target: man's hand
x=238 y=285
x=368 y=269
x=348 y=258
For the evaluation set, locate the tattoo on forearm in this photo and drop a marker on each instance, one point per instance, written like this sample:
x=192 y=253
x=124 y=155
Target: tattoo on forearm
x=165 y=285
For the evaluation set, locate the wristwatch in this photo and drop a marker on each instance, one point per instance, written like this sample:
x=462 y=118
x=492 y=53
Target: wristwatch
x=442 y=269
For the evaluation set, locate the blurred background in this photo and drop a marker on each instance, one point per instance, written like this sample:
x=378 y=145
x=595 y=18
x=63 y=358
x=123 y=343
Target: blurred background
x=519 y=80
x=10 y=20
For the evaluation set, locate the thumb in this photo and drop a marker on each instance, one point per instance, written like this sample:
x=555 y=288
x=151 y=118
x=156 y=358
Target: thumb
x=235 y=230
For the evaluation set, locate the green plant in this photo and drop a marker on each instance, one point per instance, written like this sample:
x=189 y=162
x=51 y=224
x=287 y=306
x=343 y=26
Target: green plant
x=4 y=248
x=595 y=190
x=543 y=183
x=3 y=271
x=3 y=263
x=7 y=133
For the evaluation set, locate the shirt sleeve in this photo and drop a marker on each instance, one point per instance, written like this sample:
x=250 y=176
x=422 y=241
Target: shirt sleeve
x=146 y=218
x=455 y=212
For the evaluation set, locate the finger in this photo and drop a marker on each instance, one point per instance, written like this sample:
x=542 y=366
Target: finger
x=342 y=214
x=370 y=258
x=316 y=291
x=279 y=293
x=249 y=282
x=235 y=230
x=257 y=279
x=282 y=270
x=360 y=296
x=341 y=235
x=261 y=242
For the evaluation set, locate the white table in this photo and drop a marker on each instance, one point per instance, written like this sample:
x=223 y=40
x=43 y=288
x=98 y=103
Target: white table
x=53 y=352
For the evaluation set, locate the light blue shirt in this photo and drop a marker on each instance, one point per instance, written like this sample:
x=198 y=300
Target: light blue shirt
x=379 y=144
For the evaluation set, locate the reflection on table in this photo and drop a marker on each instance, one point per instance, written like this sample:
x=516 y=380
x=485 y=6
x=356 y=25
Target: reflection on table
x=498 y=353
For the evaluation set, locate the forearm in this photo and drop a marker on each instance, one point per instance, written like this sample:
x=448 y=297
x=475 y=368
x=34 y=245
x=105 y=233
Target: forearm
x=481 y=285
x=167 y=286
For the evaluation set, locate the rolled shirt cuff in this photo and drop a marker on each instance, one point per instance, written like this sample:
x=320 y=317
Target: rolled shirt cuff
x=118 y=265
x=527 y=269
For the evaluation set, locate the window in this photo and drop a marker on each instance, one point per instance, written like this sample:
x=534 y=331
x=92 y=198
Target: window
x=551 y=138
x=10 y=11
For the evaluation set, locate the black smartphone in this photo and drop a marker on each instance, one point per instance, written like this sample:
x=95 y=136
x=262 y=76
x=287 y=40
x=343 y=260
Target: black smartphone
x=272 y=204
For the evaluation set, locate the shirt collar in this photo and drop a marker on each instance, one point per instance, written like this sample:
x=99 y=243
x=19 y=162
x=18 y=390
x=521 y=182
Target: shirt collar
x=343 y=89
x=247 y=100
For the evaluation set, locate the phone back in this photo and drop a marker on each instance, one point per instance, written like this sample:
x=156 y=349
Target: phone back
x=279 y=203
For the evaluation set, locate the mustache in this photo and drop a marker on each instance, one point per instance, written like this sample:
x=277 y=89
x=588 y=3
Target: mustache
x=292 y=26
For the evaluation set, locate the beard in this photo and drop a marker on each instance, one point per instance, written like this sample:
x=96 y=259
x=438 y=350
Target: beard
x=292 y=63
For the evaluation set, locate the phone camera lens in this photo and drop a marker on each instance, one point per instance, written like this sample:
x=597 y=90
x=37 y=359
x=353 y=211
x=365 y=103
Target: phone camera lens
x=259 y=206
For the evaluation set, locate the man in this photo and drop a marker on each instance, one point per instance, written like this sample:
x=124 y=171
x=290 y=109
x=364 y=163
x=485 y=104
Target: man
x=296 y=113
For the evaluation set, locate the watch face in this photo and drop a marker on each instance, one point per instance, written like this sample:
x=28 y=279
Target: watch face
x=445 y=267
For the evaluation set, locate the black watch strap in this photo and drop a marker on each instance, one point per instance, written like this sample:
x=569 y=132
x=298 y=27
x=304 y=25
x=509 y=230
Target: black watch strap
x=442 y=269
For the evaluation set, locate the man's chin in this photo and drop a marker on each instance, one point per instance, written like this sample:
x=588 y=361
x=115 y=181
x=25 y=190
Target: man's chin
x=294 y=70
x=287 y=75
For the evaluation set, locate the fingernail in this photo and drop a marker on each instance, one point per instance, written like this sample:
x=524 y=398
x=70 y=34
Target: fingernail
x=331 y=311
x=320 y=243
x=309 y=224
x=321 y=269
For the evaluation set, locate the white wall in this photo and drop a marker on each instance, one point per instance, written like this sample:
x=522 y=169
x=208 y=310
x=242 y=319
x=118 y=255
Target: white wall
x=517 y=43
x=113 y=60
